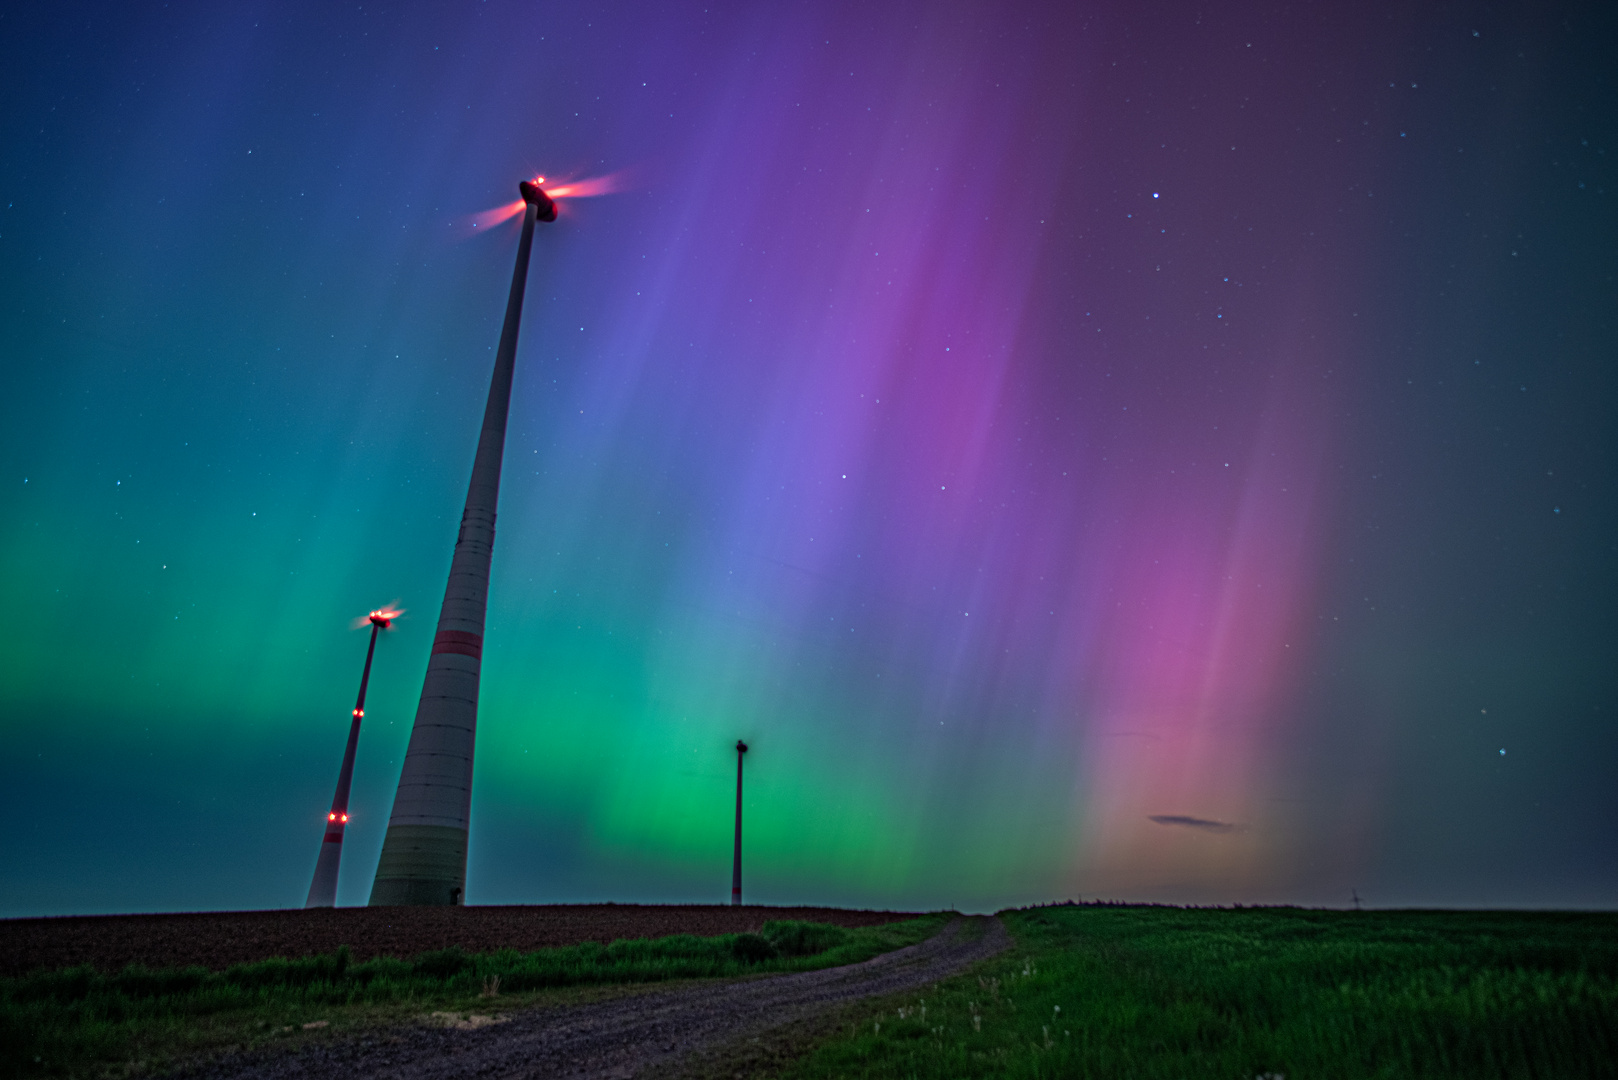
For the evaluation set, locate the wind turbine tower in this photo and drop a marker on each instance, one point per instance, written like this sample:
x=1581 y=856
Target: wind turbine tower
x=736 y=866
x=323 y=889
x=424 y=853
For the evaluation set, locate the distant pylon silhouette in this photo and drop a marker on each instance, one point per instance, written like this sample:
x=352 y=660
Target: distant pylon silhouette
x=736 y=866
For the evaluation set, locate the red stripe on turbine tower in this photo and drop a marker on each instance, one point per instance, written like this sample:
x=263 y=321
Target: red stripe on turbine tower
x=424 y=854
x=458 y=641
x=323 y=889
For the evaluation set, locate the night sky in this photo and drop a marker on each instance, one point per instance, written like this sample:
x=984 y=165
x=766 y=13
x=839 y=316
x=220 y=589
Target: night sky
x=1086 y=451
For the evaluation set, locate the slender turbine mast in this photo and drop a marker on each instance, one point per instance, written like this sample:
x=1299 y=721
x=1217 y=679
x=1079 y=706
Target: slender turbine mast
x=323 y=889
x=424 y=854
x=736 y=866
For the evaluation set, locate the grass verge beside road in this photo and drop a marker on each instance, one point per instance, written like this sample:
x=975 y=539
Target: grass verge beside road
x=78 y=1022
x=1160 y=992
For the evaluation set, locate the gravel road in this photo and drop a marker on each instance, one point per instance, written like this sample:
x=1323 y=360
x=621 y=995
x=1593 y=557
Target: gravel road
x=626 y=1036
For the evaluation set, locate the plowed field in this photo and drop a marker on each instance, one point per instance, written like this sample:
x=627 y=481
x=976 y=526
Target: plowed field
x=219 y=939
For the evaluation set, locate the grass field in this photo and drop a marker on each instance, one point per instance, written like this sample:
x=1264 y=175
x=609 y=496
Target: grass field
x=80 y=1023
x=1177 y=994
x=1089 y=991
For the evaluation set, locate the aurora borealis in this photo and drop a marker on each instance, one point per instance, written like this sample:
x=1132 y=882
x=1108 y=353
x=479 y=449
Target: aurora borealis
x=1082 y=451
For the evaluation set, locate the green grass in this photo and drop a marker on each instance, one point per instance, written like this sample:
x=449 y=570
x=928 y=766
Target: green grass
x=1177 y=994
x=77 y=1022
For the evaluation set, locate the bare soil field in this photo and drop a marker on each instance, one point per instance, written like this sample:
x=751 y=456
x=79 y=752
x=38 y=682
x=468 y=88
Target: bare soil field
x=216 y=940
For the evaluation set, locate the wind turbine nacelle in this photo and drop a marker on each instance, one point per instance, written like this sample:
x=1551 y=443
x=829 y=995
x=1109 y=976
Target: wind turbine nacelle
x=533 y=193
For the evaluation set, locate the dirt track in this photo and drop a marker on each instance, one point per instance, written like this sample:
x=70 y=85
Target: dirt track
x=219 y=939
x=624 y=1037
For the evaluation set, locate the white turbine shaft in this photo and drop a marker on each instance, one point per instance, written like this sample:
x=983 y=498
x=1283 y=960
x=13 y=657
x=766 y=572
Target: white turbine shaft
x=424 y=854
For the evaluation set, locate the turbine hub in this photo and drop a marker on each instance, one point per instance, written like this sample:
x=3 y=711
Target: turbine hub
x=533 y=193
